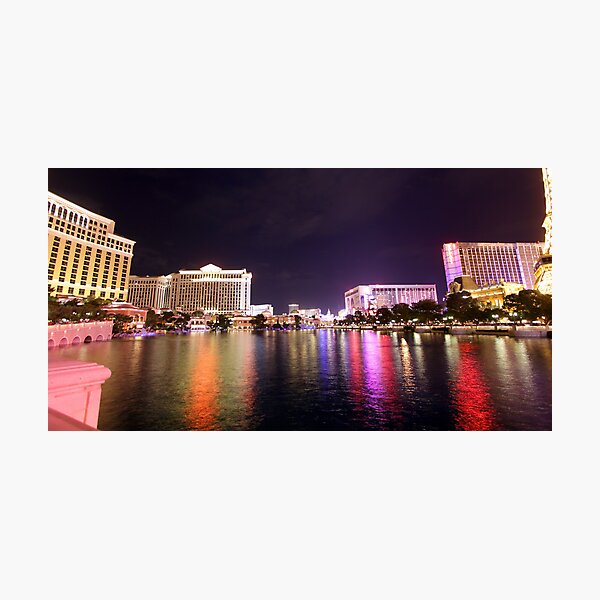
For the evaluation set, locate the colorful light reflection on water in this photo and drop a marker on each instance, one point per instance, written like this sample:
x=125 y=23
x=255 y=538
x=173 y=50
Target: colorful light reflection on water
x=323 y=380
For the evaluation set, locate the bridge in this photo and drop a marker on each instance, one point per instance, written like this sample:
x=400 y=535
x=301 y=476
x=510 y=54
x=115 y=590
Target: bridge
x=77 y=333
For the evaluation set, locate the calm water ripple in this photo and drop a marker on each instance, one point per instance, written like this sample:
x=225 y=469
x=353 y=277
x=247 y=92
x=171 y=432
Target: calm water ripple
x=323 y=380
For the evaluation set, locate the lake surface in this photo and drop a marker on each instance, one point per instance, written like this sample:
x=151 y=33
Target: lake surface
x=323 y=380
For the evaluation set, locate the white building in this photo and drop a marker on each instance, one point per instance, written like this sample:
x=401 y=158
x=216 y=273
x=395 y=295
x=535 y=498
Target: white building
x=211 y=289
x=314 y=313
x=374 y=296
x=150 y=292
x=259 y=309
x=197 y=324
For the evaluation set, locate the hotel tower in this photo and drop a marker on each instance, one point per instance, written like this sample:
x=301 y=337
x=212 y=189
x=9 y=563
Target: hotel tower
x=492 y=263
x=211 y=289
x=543 y=271
x=85 y=257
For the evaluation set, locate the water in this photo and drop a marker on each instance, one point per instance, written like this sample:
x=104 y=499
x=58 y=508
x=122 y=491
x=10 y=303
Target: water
x=323 y=380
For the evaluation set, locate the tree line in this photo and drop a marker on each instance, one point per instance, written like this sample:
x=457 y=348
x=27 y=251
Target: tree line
x=459 y=307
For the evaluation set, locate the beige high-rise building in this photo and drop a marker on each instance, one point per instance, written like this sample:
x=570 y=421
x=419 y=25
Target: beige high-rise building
x=85 y=257
x=150 y=292
x=211 y=289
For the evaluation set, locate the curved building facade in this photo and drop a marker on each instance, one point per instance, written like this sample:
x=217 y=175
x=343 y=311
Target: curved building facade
x=85 y=256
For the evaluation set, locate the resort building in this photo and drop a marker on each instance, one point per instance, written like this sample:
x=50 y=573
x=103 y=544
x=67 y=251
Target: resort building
x=127 y=309
x=292 y=308
x=368 y=298
x=492 y=263
x=310 y=312
x=242 y=323
x=261 y=309
x=491 y=295
x=198 y=324
x=543 y=270
x=211 y=289
x=85 y=257
x=150 y=292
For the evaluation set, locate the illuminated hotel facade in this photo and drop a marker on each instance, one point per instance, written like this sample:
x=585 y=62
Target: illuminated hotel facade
x=492 y=263
x=373 y=296
x=85 y=257
x=211 y=289
x=543 y=271
x=150 y=292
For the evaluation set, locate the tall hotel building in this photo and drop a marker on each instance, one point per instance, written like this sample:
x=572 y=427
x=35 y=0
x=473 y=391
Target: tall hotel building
x=85 y=257
x=373 y=296
x=212 y=290
x=150 y=292
x=492 y=263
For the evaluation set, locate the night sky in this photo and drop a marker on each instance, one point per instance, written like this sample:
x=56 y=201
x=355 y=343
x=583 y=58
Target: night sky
x=308 y=235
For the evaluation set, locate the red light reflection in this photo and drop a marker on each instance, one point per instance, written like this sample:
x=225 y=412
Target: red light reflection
x=471 y=396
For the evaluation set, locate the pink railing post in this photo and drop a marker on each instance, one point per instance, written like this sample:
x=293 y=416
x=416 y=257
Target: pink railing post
x=74 y=389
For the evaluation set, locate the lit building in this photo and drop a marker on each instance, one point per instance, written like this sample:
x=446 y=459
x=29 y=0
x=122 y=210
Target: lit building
x=259 y=309
x=127 y=309
x=242 y=323
x=211 y=289
x=310 y=312
x=494 y=295
x=327 y=319
x=85 y=257
x=292 y=308
x=368 y=298
x=490 y=263
x=197 y=324
x=150 y=292
x=543 y=270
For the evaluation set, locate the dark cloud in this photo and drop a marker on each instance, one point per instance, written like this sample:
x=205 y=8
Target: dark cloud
x=308 y=234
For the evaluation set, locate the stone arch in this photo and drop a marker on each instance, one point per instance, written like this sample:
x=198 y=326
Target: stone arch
x=88 y=339
x=50 y=344
x=99 y=338
x=64 y=342
x=76 y=340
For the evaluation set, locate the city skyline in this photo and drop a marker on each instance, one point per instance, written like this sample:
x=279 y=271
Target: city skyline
x=308 y=235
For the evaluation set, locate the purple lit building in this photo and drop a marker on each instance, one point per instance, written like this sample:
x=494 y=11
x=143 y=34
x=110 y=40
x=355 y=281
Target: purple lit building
x=376 y=295
x=492 y=263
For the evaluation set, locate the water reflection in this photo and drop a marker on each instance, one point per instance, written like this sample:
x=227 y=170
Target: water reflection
x=323 y=380
x=204 y=386
x=471 y=398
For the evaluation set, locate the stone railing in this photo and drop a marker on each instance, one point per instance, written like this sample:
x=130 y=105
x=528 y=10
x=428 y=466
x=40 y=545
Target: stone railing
x=74 y=389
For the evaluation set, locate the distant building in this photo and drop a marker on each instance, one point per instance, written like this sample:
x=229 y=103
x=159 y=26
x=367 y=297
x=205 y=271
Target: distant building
x=242 y=323
x=310 y=312
x=150 y=292
x=129 y=310
x=492 y=263
x=197 y=324
x=328 y=317
x=492 y=295
x=368 y=298
x=211 y=289
x=259 y=309
x=85 y=257
x=292 y=308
